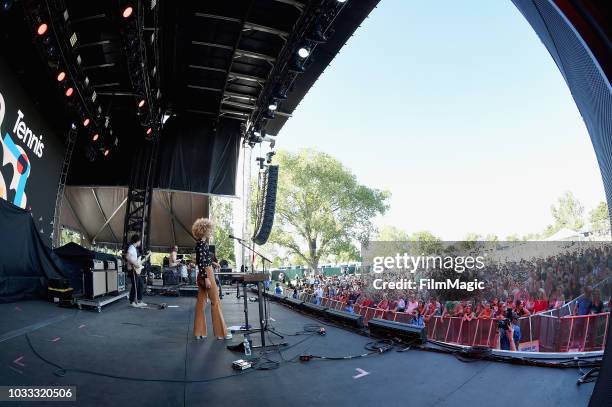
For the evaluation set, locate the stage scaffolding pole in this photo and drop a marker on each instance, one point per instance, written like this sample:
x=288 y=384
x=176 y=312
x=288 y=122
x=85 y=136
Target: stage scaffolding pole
x=56 y=234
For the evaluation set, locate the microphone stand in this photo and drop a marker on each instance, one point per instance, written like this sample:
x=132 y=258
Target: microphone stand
x=263 y=322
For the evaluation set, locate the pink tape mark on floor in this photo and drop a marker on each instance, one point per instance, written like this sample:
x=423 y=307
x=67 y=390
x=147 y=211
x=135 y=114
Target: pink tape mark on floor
x=18 y=361
x=55 y=339
x=15 y=369
x=82 y=326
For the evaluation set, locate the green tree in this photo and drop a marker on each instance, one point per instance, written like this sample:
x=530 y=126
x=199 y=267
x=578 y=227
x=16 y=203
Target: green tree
x=600 y=218
x=390 y=233
x=221 y=215
x=568 y=213
x=513 y=238
x=427 y=243
x=321 y=208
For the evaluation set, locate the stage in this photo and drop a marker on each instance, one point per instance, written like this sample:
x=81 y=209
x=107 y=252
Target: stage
x=157 y=345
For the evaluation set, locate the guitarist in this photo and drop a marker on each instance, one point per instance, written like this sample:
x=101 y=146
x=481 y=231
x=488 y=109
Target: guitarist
x=134 y=269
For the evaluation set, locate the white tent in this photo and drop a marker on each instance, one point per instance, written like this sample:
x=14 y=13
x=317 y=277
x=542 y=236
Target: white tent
x=565 y=234
x=99 y=212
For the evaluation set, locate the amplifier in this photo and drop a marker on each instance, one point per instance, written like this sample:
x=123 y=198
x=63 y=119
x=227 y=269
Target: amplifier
x=120 y=281
x=170 y=277
x=97 y=264
x=110 y=264
x=112 y=281
x=157 y=282
x=94 y=283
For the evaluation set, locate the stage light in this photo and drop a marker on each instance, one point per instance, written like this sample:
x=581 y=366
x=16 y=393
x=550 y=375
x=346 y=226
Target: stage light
x=42 y=29
x=149 y=131
x=127 y=11
x=141 y=103
x=7 y=4
x=303 y=52
x=69 y=91
x=95 y=137
x=106 y=152
x=341 y=1
x=61 y=76
x=273 y=106
x=86 y=122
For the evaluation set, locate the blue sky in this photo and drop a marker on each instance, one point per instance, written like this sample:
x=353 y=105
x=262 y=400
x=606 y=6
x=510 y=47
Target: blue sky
x=459 y=111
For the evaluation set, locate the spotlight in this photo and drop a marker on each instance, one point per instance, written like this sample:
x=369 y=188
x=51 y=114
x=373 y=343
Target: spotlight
x=141 y=103
x=106 y=152
x=86 y=122
x=273 y=106
x=127 y=11
x=281 y=94
x=149 y=131
x=318 y=35
x=95 y=137
x=42 y=29
x=297 y=66
x=304 y=52
x=341 y=1
x=69 y=91
x=61 y=76
x=7 y=4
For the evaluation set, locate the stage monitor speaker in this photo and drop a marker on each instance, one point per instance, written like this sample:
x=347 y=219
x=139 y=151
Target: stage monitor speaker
x=266 y=205
x=347 y=318
x=317 y=309
x=294 y=302
x=94 y=283
x=112 y=281
x=410 y=333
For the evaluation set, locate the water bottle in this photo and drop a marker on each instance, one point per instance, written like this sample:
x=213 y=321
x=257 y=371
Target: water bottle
x=247 y=347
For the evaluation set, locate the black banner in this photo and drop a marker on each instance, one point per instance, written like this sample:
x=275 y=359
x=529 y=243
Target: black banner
x=31 y=155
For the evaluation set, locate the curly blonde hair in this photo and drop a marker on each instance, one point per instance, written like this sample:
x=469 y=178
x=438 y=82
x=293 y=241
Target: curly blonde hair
x=202 y=229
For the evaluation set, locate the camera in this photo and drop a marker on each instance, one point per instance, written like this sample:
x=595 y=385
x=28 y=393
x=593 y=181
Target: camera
x=504 y=323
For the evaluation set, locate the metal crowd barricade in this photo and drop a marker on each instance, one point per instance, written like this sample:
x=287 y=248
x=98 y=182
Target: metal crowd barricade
x=544 y=332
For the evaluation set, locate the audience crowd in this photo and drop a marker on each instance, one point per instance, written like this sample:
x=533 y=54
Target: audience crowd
x=525 y=286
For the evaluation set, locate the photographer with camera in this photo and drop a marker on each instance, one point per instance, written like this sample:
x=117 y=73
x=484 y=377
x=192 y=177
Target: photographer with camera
x=509 y=331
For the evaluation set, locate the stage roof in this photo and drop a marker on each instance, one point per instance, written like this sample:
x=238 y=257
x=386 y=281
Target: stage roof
x=216 y=59
x=99 y=212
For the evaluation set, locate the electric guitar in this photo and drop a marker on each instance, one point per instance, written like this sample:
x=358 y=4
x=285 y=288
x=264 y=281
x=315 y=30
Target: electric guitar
x=140 y=263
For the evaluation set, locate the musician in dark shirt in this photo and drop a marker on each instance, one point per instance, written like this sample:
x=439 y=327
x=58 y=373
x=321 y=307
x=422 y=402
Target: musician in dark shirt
x=202 y=230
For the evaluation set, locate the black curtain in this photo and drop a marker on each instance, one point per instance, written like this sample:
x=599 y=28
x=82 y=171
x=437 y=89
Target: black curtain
x=27 y=263
x=198 y=155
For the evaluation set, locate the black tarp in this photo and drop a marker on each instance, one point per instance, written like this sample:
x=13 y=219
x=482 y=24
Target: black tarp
x=26 y=263
x=77 y=259
x=199 y=155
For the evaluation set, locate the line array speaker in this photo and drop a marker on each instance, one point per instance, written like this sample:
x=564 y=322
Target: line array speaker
x=266 y=206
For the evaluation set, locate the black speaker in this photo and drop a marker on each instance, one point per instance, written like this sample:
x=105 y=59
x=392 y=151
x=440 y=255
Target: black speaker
x=294 y=302
x=407 y=332
x=317 y=309
x=266 y=205
x=347 y=318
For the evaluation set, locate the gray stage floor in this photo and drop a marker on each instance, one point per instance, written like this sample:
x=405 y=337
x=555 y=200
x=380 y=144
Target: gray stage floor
x=155 y=344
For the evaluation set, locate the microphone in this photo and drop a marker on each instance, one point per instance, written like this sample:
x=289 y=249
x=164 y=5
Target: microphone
x=233 y=237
